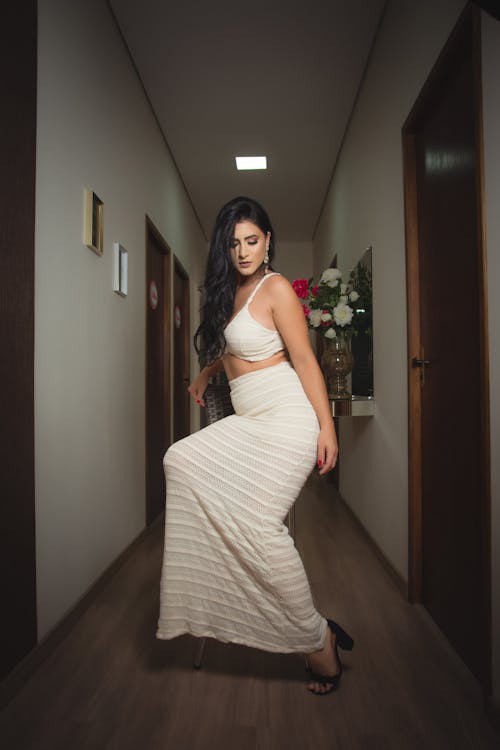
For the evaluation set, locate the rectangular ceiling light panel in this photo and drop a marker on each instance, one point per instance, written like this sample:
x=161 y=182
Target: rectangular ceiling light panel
x=251 y=162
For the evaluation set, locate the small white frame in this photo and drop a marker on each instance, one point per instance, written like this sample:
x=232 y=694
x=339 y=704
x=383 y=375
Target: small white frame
x=120 y=283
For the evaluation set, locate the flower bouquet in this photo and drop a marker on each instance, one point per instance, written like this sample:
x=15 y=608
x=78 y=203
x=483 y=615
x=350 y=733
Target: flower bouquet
x=333 y=309
x=330 y=306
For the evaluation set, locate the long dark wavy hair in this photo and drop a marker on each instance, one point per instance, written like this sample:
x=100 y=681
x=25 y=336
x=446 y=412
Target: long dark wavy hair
x=219 y=287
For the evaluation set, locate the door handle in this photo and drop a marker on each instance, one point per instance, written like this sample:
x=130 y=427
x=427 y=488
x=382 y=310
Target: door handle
x=422 y=363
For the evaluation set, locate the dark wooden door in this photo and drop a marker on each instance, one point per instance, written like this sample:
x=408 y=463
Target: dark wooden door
x=157 y=368
x=447 y=353
x=182 y=400
x=18 y=632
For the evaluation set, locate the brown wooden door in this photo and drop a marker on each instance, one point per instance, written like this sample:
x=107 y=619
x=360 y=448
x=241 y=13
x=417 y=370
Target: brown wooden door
x=182 y=365
x=18 y=630
x=157 y=368
x=448 y=444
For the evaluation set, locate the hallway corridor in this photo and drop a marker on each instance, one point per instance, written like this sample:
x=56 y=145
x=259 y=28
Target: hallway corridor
x=112 y=685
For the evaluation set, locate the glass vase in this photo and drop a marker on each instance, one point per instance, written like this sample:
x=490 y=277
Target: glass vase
x=337 y=362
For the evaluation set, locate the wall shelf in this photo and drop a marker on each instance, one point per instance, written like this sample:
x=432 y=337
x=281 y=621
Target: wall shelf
x=356 y=406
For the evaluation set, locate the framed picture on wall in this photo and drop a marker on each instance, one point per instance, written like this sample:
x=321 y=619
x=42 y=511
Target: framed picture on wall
x=93 y=222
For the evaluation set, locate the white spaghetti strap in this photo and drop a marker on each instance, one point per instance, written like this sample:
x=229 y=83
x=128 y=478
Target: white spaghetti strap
x=266 y=276
x=248 y=339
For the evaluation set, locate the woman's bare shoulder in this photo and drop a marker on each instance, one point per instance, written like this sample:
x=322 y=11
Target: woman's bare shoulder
x=279 y=284
x=280 y=289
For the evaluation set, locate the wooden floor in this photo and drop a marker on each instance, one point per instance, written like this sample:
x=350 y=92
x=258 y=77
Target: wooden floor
x=112 y=684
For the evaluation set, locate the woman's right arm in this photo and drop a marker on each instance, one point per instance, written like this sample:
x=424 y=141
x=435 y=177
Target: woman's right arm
x=199 y=384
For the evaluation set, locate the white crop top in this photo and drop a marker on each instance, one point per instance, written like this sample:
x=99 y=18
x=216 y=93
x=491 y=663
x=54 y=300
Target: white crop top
x=248 y=339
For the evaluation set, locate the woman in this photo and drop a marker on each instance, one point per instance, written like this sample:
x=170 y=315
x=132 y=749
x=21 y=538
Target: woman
x=230 y=569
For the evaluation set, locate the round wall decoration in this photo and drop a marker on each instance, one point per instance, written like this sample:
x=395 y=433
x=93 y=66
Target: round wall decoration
x=153 y=295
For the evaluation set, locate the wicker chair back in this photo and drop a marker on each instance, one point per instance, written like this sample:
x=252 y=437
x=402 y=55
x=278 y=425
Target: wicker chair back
x=218 y=401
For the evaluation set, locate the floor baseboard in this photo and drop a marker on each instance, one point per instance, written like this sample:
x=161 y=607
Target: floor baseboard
x=395 y=576
x=491 y=705
x=15 y=680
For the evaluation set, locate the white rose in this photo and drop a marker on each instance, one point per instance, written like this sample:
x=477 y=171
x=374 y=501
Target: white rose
x=331 y=275
x=315 y=317
x=342 y=314
x=325 y=317
x=343 y=288
x=343 y=299
x=353 y=296
x=330 y=334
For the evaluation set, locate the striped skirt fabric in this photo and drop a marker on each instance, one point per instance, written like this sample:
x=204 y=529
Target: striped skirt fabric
x=230 y=569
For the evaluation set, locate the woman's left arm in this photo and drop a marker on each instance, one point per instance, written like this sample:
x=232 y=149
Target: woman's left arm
x=289 y=320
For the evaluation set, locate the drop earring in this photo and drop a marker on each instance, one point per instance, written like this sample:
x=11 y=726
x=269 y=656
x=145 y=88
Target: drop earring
x=266 y=257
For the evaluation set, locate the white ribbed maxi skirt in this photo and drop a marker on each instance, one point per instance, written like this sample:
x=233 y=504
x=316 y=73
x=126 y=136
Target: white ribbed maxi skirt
x=230 y=569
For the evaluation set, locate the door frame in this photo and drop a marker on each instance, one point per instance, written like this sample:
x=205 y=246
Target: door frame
x=186 y=365
x=152 y=231
x=466 y=30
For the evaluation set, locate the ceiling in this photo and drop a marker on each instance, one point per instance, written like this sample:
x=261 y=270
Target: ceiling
x=272 y=77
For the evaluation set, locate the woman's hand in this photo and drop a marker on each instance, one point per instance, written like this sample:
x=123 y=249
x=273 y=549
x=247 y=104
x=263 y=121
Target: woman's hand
x=198 y=387
x=327 y=449
x=199 y=384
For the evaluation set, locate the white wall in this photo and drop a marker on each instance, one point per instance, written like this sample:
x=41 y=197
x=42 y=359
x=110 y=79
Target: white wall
x=294 y=259
x=95 y=129
x=365 y=207
x=491 y=120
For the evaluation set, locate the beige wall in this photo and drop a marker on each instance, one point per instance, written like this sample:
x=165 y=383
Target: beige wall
x=491 y=120
x=365 y=207
x=294 y=259
x=95 y=129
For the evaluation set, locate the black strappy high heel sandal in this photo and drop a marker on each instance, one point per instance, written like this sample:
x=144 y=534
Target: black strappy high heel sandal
x=343 y=640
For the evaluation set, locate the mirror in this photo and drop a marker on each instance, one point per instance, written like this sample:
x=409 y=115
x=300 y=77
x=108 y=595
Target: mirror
x=362 y=341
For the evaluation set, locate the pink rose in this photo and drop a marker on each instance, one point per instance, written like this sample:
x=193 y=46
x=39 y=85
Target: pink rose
x=314 y=290
x=301 y=288
x=306 y=310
